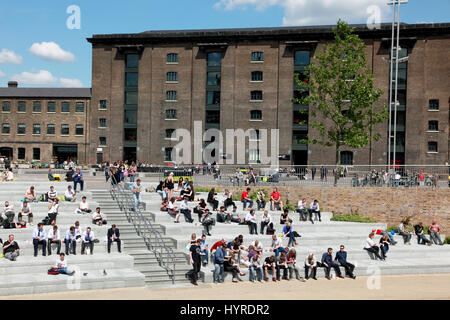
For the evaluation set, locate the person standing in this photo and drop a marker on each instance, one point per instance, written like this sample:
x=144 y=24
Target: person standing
x=313 y=172
x=132 y=172
x=136 y=188
x=53 y=236
x=11 y=249
x=114 y=236
x=327 y=263
x=78 y=179
x=204 y=250
x=219 y=256
x=39 y=238
x=195 y=256
x=435 y=232
x=341 y=257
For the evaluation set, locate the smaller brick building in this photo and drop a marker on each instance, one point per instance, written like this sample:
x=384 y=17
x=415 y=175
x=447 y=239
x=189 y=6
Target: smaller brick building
x=44 y=124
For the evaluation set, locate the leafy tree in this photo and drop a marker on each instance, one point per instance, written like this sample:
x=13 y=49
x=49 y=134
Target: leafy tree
x=338 y=88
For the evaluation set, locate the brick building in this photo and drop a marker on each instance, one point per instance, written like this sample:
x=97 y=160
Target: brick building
x=44 y=124
x=157 y=81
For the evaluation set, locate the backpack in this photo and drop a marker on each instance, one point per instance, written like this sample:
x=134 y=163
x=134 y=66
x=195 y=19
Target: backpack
x=52 y=271
x=47 y=221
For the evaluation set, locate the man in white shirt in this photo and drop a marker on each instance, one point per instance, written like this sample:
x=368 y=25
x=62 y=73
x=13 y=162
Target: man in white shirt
x=97 y=217
x=251 y=221
x=266 y=221
x=87 y=240
x=314 y=208
x=39 y=237
x=301 y=209
x=372 y=247
x=53 y=237
x=26 y=211
x=61 y=265
x=276 y=246
x=184 y=209
x=69 y=194
x=8 y=211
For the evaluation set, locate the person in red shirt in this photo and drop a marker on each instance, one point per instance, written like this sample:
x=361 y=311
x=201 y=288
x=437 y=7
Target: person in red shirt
x=217 y=244
x=245 y=199
x=275 y=199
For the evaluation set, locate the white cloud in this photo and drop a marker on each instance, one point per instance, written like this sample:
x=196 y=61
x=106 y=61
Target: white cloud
x=8 y=56
x=313 y=12
x=40 y=77
x=51 y=51
x=70 y=83
x=2 y=74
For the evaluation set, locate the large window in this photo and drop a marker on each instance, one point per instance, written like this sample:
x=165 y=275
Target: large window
x=213 y=79
x=214 y=59
x=433 y=125
x=171 y=95
x=36 y=154
x=51 y=106
x=79 y=130
x=6 y=128
x=432 y=146
x=301 y=58
x=168 y=154
x=102 y=123
x=256 y=115
x=213 y=97
x=346 y=158
x=130 y=117
x=36 y=128
x=131 y=79
x=21 y=153
x=22 y=106
x=130 y=134
x=102 y=141
x=212 y=116
x=51 y=129
x=433 y=104
x=131 y=97
x=256 y=95
x=172 y=58
x=37 y=107
x=172 y=76
x=257 y=76
x=65 y=106
x=6 y=106
x=169 y=133
x=21 y=128
x=79 y=107
x=257 y=56
x=132 y=60
x=171 y=114
x=65 y=129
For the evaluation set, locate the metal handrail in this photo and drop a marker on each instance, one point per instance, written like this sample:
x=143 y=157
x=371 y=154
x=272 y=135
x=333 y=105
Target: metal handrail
x=144 y=228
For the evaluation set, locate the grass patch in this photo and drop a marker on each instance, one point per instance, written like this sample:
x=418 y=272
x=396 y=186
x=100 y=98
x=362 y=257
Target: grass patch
x=351 y=217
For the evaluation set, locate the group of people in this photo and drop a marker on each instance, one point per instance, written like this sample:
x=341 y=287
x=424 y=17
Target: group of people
x=119 y=170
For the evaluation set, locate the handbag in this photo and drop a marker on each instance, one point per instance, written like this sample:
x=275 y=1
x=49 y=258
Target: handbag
x=52 y=271
x=125 y=173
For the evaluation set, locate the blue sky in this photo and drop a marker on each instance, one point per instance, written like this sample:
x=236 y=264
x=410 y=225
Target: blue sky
x=37 y=48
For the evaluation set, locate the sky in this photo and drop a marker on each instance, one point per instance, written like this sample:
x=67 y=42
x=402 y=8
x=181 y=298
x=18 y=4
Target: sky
x=43 y=43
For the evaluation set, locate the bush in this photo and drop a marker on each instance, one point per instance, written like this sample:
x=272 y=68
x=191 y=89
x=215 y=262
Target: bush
x=205 y=189
x=447 y=240
x=351 y=217
x=253 y=195
x=289 y=206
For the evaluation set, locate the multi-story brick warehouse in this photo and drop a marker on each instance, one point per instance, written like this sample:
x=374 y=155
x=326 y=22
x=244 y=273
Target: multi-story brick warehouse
x=44 y=124
x=157 y=81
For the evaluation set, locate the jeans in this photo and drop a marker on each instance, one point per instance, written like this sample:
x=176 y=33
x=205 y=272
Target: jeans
x=384 y=249
x=374 y=250
x=406 y=236
x=293 y=269
x=348 y=268
x=254 y=269
x=163 y=194
x=328 y=269
x=131 y=178
x=291 y=239
x=12 y=255
x=303 y=214
x=313 y=272
x=193 y=274
x=67 y=242
x=423 y=238
x=279 y=272
x=436 y=237
x=205 y=257
x=187 y=214
x=49 y=246
x=137 y=200
x=218 y=272
x=280 y=249
x=76 y=182
x=63 y=271
x=245 y=201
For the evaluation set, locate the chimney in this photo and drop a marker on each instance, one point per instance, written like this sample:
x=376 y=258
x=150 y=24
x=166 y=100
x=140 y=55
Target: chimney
x=12 y=84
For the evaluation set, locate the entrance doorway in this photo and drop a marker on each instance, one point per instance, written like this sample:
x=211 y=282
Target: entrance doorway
x=129 y=153
x=6 y=152
x=300 y=157
x=64 y=152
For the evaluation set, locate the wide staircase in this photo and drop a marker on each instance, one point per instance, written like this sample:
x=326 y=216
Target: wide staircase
x=28 y=274
x=145 y=260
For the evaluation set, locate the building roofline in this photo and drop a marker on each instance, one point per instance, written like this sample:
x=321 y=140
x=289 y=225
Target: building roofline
x=324 y=31
x=23 y=92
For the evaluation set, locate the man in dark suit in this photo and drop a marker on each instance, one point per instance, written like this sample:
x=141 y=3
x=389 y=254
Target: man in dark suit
x=113 y=235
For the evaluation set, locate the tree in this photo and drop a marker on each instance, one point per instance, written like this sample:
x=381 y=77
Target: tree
x=338 y=89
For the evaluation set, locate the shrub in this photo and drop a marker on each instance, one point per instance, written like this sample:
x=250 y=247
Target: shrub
x=205 y=189
x=253 y=194
x=289 y=206
x=351 y=217
x=447 y=240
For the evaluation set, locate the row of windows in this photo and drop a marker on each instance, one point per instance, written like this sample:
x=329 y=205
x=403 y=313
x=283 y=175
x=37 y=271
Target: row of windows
x=37 y=106
x=51 y=129
x=21 y=153
x=301 y=57
x=254 y=115
x=213 y=97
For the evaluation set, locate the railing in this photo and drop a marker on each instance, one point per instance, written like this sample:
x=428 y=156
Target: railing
x=143 y=227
